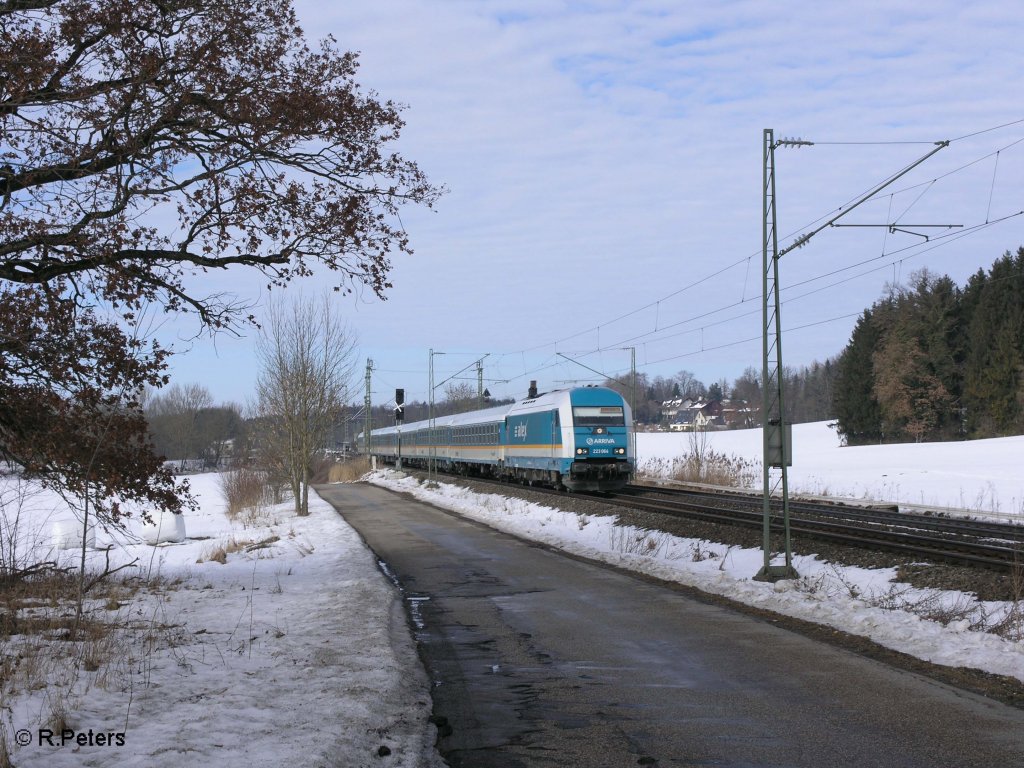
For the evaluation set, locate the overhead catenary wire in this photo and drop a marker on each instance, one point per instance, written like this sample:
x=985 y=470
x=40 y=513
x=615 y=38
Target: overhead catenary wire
x=650 y=335
x=659 y=326
x=988 y=130
x=846 y=207
x=935 y=243
x=992 y=189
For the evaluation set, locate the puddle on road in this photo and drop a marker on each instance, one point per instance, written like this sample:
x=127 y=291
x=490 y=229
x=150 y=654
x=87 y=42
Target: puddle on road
x=415 y=601
x=416 y=611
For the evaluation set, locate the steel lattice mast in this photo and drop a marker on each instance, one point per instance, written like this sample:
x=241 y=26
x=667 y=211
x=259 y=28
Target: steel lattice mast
x=775 y=434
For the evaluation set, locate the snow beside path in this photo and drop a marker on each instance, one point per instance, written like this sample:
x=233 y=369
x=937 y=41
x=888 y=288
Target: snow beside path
x=857 y=600
x=296 y=653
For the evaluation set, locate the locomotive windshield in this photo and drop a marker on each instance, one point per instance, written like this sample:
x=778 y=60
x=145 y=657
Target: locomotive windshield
x=598 y=416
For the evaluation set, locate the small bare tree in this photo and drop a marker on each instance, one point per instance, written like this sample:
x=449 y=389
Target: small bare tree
x=307 y=357
x=459 y=397
x=699 y=450
x=179 y=408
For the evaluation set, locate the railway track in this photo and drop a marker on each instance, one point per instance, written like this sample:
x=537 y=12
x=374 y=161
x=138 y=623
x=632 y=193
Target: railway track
x=959 y=541
x=876 y=513
x=974 y=543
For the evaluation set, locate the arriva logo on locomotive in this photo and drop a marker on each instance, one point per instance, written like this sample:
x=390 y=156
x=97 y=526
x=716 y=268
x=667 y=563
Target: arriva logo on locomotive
x=600 y=441
x=520 y=431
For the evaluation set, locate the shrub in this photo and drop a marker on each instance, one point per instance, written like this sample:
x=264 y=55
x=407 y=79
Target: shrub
x=246 y=488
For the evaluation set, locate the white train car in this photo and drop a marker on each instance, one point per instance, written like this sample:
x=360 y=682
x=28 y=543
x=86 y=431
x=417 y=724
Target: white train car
x=574 y=438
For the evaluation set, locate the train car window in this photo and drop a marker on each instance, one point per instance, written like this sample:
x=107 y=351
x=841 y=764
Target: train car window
x=598 y=416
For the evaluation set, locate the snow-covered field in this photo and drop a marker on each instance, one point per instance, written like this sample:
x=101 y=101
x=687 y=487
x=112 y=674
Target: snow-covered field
x=296 y=649
x=979 y=475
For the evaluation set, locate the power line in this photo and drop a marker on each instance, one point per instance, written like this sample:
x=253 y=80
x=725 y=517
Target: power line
x=841 y=209
x=988 y=130
x=653 y=336
x=656 y=304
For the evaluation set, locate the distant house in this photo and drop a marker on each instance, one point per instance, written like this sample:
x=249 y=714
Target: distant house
x=670 y=409
x=683 y=422
x=694 y=414
x=685 y=414
x=737 y=414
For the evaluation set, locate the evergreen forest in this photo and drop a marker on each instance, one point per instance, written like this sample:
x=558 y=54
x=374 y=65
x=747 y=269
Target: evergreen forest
x=932 y=361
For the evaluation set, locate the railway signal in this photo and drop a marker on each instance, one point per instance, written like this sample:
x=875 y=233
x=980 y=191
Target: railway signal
x=399 y=420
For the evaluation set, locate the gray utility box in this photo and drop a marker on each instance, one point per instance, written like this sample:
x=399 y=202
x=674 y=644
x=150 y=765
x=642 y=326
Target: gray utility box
x=778 y=444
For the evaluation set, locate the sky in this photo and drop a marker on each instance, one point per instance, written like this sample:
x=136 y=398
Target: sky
x=604 y=166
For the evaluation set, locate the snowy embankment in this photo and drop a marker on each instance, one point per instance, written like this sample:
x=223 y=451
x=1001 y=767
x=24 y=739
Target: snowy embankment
x=292 y=651
x=947 y=628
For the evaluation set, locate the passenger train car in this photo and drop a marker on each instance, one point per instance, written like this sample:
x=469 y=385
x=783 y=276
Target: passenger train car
x=573 y=438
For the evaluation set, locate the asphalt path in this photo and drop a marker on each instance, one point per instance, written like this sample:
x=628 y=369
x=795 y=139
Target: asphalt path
x=538 y=659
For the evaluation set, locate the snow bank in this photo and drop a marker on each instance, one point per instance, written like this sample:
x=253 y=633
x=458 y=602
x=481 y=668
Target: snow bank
x=293 y=651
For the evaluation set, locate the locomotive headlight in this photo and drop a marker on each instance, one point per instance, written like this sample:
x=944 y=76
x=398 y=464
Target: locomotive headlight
x=582 y=451
x=620 y=451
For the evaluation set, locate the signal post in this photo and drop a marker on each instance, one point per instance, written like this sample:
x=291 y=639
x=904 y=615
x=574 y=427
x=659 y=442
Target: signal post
x=399 y=420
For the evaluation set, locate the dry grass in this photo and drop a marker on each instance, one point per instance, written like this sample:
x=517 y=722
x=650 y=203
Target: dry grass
x=48 y=650
x=638 y=541
x=717 y=469
x=1011 y=625
x=348 y=471
x=219 y=553
x=710 y=469
x=246 y=489
x=945 y=607
x=58 y=715
x=44 y=605
x=52 y=656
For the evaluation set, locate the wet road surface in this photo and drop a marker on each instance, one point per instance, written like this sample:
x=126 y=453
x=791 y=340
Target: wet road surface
x=541 y=659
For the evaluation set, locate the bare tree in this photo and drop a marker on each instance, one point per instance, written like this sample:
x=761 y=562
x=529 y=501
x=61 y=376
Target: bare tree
x=307 y=356
x=179 y=409
x=459 y=397
x=690 y=385
x=142 y=144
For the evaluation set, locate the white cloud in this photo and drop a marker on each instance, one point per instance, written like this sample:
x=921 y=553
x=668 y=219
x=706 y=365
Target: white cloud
x=601 y=155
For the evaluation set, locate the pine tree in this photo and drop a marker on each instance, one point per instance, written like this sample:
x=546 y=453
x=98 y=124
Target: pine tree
x=994 y=358
x=857 y=411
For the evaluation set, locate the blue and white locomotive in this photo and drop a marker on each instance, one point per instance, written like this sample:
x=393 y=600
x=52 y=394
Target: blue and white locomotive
x=574 y=438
